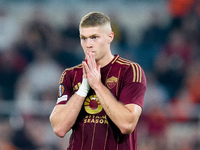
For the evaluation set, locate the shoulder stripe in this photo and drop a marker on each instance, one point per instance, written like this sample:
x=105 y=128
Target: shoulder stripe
x=137 y=72
x=62 y=77
x=78 y=66
x=115 y=59
x=68 y=69
x=123 y=61
x=134 y=76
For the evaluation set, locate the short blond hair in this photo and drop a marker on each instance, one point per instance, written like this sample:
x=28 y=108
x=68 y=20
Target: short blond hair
x=94 y=19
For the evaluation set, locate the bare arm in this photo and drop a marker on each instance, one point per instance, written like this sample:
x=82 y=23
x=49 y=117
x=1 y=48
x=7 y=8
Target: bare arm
x=63 y=117
x=125 y=117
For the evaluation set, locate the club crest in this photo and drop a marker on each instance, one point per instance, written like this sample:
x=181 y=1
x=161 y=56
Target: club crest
x=111 y=82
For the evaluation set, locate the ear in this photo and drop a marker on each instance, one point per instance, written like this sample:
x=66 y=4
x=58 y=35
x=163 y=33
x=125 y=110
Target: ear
x=111 y=37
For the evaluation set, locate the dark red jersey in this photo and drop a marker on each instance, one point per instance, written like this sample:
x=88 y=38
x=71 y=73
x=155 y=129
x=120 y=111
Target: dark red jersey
x=93 y=129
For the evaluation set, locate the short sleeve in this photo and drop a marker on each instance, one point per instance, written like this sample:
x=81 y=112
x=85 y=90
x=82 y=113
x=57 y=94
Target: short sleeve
x=134 y=86
x=65 y=88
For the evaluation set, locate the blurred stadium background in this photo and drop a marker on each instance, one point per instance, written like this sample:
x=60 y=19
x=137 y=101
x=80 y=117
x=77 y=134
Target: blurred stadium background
x=40 y=38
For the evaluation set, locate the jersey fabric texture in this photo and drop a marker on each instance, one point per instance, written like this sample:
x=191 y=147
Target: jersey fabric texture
x=93 y=129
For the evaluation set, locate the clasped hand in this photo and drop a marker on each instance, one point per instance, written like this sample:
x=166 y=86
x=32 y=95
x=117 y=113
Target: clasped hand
x=91 y=70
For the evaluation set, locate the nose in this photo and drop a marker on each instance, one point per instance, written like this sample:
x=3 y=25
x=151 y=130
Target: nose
x=89 y=43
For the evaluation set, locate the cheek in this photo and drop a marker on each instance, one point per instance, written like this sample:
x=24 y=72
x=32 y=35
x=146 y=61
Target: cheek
x=83 y=46
x=101 y=43
x=102 y=46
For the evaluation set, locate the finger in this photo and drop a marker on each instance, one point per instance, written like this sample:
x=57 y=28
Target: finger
x=93 y=59
x=84 y=70
x=92 y=63
x=89 y=60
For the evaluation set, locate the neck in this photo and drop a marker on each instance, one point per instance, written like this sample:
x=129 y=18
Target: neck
x=105 y=60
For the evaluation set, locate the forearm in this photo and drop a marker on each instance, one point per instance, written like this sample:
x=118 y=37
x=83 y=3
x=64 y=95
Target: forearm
x=125 y=117
x=63 y=117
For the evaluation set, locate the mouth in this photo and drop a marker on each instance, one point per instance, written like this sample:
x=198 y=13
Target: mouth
x=90 y=51
x=93 y=52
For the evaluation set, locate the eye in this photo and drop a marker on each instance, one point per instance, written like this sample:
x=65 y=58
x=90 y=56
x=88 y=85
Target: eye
x=83 y=38
x=94 y=37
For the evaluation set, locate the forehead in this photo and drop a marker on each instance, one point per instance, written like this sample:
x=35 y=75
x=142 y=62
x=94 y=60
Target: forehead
x=88 y=31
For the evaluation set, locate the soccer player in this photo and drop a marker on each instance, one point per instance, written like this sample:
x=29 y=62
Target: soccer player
x=101 y=99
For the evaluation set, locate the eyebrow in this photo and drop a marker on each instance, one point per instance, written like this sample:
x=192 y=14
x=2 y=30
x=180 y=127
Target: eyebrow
x=93 y=35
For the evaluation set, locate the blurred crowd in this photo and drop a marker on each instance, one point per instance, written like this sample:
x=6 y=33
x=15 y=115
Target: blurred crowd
x=33 y=56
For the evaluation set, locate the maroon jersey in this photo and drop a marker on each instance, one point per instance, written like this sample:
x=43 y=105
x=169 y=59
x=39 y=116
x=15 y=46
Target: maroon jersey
x=93 y=129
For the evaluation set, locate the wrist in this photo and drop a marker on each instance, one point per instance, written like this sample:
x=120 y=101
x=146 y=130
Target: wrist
x=84 y=88
x=98 y=86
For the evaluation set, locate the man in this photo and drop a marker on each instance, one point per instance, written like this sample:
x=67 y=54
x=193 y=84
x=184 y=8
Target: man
x=101 y=99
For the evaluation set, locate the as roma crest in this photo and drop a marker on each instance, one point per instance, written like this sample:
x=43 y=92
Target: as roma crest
x=111 y=82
